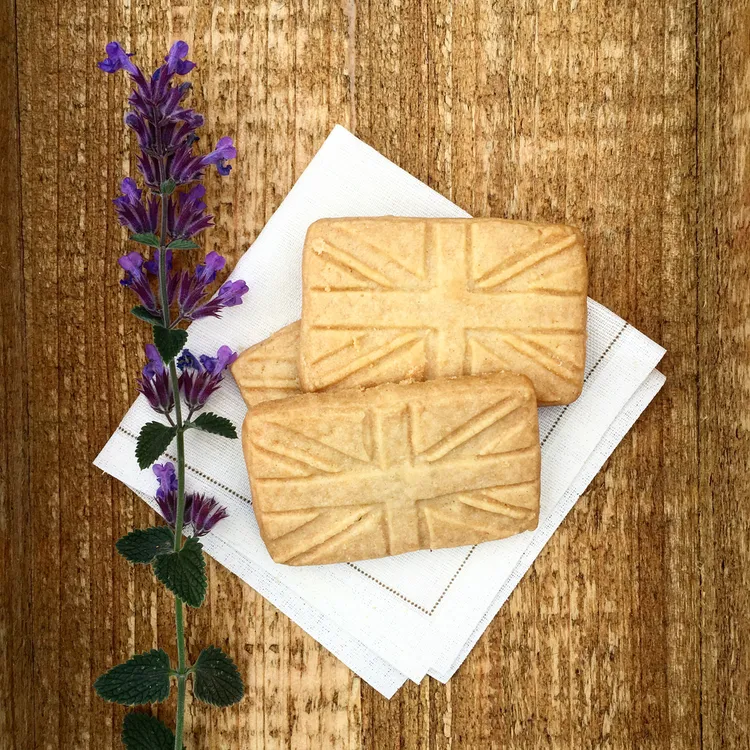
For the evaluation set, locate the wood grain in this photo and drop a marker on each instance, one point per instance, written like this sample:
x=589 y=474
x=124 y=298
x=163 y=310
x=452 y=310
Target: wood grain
x=629 y=119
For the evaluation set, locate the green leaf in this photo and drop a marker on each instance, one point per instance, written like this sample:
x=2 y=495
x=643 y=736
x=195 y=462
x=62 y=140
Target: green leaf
x=142 y=313
x=167 y=187
x=183 y=245
x=146 y=732
x=210 y=422
x=184 y=572
x=216 y=678
x=153 y=440
x=143 y=545
x=143 y=678
x=146 y=238
x=169 y=342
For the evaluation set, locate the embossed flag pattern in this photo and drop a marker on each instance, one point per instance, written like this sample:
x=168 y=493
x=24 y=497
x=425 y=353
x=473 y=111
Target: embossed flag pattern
x=268 y=370
x=390 y=299
x=363 y=474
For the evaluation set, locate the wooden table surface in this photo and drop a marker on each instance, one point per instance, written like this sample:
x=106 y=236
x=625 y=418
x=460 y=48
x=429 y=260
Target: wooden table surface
x=630 y=119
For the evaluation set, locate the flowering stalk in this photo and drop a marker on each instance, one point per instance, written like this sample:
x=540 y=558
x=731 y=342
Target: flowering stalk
x=166 y=221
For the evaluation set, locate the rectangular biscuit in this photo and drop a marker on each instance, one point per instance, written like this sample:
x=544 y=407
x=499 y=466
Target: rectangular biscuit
x=358 y=474
x=268 y=370
x=388 y=299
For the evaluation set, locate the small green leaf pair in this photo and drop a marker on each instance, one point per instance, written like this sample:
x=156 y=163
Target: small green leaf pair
x=150 y=239
x=182 y=572
x=155 y=437
x=145 y=678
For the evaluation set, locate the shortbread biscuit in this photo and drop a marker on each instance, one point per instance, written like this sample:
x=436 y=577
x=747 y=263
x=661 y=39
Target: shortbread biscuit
x=389 y=299
x=268 y=370
x=356 y=474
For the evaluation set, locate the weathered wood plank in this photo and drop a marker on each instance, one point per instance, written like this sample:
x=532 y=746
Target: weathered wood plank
x=39 y=133
x=16 y=589
x=724 y=385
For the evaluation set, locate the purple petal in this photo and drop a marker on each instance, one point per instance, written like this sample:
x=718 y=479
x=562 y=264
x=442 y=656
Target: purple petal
x=206 y=272
x=117 y=59
x=216 y=365
x=155 y=364
x=166 y=475
x=231 y=293
x=188 y=359
x=130 y=189
x=131 y=262
x=152 y=265
x=205 y=513
x=224 y=150
x=175 y=60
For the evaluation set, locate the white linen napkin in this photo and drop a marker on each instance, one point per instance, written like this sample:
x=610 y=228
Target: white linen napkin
x=421 y=612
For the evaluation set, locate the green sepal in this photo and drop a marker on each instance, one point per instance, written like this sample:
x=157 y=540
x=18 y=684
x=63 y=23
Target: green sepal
x=167 y=187
x=142 y=313
x=169 y=342
x=182 y=245
x=146 y=732
x=216 y=679
x=184 y=572
x=213 y=423
x=142 y=546
x=146 y=238
x=143 y=678
x=153 y=439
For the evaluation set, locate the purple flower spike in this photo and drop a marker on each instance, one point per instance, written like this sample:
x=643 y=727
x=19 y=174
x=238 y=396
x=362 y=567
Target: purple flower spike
x=205 y=513
x=117 y=59
x=166 y=130
x=191 y=290
x=154 y=383
x=198 y=380
x=192 y=217
x=176 y=62
x=166 y=494
x=224 y=150
x=201 y=512
x=136 y=279
x=230 y=295
x=131 y=211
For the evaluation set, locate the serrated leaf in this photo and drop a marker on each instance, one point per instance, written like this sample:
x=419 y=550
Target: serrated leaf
x=216 y=679
x=184 y=572
x=145 y=732
x=153 y=439
x=142 y=313
x=210 y=422
x=167 y=187
x=143 y=545
x=144 y=678
x=183 y=245
x=169 y=342
x=146 y=238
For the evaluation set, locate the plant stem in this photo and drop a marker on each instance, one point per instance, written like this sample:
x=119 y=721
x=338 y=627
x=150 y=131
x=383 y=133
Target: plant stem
x=179 y=519
x=181 y=683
